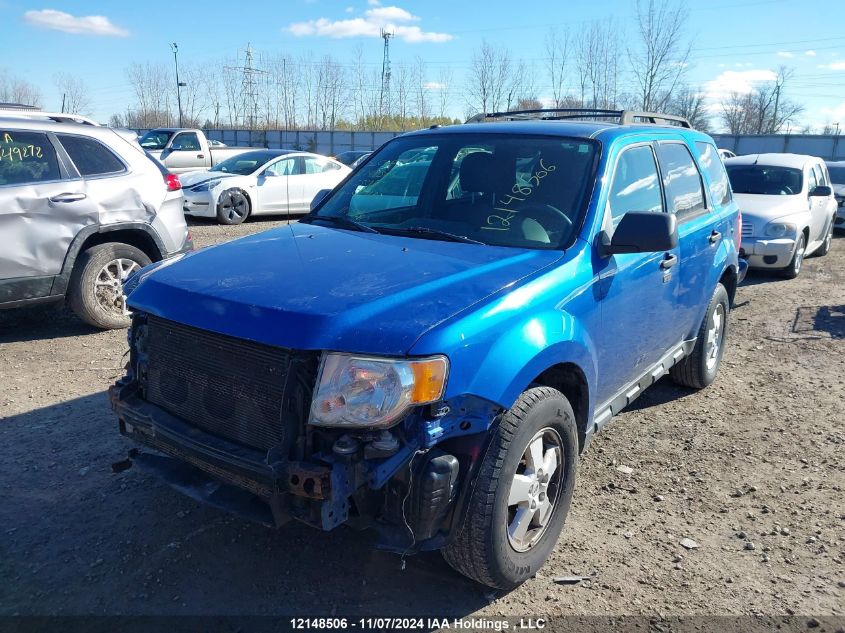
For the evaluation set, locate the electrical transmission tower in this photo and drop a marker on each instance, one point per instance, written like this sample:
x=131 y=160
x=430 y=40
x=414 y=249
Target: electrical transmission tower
x=384 y=104
x=249 y=88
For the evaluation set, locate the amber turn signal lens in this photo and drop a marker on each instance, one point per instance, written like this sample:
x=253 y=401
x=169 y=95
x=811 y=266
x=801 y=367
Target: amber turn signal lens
x=429 y=380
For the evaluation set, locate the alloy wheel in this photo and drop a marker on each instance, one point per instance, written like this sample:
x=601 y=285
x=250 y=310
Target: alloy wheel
x=715 y=334
x=534 y=489
x=108 y=285
x=799 y=255
x=234 y=205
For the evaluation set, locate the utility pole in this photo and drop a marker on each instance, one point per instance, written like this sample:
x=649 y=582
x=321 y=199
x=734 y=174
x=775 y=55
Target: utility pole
x=179 y=84
x=384 y=104
x=64 y=96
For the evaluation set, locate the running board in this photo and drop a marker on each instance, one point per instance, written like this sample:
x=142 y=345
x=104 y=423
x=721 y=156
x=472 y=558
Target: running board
x=632 y=391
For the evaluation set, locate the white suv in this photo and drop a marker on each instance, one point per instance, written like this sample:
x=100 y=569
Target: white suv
x=787 y=206
x=81 y=208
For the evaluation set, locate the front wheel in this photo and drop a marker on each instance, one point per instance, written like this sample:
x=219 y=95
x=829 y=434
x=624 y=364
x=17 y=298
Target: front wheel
x=699 y=369
x=232 y=207
x=824 y=249
x=522 y=493
x=794 y=268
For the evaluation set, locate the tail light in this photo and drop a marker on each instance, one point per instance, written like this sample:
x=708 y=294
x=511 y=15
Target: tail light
x=172 y=182
x=738 y=232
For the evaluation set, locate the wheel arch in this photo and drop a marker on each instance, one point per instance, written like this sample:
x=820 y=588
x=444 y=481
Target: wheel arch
x=138 y=234
x=571 y=381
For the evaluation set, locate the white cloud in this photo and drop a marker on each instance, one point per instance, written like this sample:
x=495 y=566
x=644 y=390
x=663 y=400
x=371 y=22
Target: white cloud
x=349 y=9
x=810 y=53
x=392 y=18
x=374 y=3
x=435 y=85
x=785 y=54
x=736 y=81
x=833 y=66
x=61 y=21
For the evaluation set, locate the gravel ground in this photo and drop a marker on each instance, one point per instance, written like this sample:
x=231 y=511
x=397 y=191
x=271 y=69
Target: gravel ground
x=750 y=469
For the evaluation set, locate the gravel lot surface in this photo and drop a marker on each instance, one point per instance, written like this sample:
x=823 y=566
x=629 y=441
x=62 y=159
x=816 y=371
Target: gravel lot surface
x=750 y=470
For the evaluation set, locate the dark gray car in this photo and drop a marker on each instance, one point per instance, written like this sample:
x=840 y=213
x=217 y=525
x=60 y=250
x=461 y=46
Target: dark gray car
x=81 y=208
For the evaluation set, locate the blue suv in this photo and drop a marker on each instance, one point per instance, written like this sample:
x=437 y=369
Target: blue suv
x=431 y=349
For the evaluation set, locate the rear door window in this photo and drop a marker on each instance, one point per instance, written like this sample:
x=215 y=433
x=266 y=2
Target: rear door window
x=813 y=180
x=636 y=183
x=27 y=157
x=720 y=190
x=681 y=180
x=91 y=157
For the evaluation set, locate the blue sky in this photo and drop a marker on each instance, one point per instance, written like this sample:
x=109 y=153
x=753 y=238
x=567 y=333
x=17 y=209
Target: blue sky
x=735 y=41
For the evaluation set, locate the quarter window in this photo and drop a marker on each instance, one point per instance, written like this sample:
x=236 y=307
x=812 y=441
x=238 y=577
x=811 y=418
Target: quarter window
x=681 y=180
x=90 y=157
x=636 y=184
x=26 y=157
x=720 y=190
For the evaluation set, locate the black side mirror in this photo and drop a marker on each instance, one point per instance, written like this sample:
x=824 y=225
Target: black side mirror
x=821 y=190
x=321 y=195
x=640 y=232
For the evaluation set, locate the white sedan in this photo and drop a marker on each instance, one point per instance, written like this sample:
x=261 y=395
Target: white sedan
x=264 y=181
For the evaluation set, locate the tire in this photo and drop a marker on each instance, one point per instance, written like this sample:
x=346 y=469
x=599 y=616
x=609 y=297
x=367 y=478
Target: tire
x=95 y=292
x=699 y=369
x=794 y=268
x=482 y=548
x=233 y=207
x=824 y=249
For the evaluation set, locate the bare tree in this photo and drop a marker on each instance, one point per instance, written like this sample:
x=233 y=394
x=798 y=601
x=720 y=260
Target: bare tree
x=152 y=87
x=557 y=60
x=490 y=75
x=17 y=90
x=74 y=91
x=597 y=65
x=689 y=103
x=194 y=95
x=331 y=92
x=421 y=90
x=444 y=81
x=764 y=110
x=659 y=58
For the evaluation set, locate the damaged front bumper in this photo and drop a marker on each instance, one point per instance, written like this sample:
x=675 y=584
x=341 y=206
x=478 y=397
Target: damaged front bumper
x=409 y=496
x=235 y=478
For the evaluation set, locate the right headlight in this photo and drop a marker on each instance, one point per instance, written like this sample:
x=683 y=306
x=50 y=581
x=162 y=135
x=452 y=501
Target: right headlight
x=370 y=392
x=780 y=229
x=205 y=186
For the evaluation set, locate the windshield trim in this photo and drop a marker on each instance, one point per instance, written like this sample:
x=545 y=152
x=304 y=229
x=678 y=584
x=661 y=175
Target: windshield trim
x=434 y=137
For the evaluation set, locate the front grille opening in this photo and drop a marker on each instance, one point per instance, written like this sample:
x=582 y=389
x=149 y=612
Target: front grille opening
x=239 y=390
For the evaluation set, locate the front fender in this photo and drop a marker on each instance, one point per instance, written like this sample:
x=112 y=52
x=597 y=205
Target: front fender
x=502 y=365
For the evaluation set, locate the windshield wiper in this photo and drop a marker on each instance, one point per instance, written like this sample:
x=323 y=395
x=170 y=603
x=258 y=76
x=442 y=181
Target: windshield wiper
x=423 y=230
x=340 y=221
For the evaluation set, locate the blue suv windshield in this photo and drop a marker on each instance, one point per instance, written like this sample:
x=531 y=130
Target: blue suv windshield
x=521 y=191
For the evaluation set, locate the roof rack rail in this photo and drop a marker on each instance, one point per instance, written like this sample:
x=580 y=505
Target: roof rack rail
x=58 y=117
x=622 y=117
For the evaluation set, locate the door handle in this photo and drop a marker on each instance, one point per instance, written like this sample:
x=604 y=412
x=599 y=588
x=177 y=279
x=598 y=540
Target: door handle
x=68 y=197
x=715 y=236
x=200 y=155
x=668 y=261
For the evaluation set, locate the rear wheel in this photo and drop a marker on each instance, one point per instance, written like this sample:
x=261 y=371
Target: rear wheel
x=522 y=493
x=794 y=268
x=232 y=207
x=699 y=369
x=95 y=292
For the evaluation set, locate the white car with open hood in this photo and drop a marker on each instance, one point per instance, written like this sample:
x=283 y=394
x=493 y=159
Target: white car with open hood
x=263 y=181
x=787 y=206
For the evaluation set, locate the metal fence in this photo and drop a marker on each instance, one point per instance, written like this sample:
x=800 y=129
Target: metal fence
x=826 y=146
x=331 y=142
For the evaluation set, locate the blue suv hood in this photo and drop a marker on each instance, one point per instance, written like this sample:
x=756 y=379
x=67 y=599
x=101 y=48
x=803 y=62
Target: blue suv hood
x=309 y=287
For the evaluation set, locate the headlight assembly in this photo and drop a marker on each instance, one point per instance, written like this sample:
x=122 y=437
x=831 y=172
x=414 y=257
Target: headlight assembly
x=369 y=392
x=780 y=229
